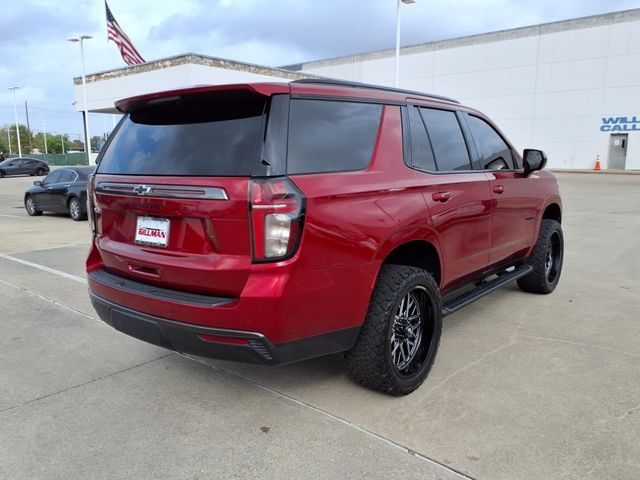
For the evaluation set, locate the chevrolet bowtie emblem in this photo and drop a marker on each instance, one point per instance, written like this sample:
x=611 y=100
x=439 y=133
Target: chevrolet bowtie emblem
x=142 y=189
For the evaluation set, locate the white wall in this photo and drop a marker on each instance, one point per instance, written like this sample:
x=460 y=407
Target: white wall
x=548 y=90
x=102 y=94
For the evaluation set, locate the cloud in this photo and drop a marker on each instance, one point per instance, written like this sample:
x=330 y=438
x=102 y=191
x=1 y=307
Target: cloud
x=326 y=29
x=35 y=55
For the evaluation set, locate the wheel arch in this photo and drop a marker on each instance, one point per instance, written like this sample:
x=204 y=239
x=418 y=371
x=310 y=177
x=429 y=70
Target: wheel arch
x=30 y=194
x=412 y=248
x=70 y=196
x=553 y=211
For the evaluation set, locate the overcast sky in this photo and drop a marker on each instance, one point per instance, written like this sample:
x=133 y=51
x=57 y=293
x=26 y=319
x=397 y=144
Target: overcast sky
x=35 y=55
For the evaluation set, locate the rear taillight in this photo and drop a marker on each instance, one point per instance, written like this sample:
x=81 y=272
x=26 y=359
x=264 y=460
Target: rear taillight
x=92 y=208
x=277 y=215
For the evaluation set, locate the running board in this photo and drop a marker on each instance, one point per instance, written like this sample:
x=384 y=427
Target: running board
x=485 y=288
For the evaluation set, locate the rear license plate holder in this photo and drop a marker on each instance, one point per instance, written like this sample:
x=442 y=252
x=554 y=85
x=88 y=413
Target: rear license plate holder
x=152 y=231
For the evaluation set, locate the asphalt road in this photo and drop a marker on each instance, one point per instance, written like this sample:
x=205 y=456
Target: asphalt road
x=524 y=386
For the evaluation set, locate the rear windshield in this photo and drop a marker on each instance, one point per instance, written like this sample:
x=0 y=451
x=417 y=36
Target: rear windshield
x=213 y=134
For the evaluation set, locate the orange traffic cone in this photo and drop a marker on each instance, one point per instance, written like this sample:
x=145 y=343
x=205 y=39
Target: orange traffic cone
x=597 y=167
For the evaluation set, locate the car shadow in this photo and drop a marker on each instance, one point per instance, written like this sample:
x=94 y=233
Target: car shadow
x=7 y=177
x=315 y=371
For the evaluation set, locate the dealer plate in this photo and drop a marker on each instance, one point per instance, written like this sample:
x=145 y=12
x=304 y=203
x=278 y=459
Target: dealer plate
x=152 y=231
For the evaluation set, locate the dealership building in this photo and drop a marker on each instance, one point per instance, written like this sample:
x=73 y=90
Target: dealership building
x=571 y=88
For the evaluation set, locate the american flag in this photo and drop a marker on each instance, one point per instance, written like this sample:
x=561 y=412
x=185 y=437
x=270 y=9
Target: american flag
x=115 y=33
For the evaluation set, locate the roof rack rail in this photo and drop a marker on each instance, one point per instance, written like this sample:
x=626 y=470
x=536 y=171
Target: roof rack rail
x=344 y=83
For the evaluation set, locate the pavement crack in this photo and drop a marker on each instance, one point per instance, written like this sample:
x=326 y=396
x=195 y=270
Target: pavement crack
x=511 y=341
x=468 y=366
x=45 y=249
x=50 y=300
x=97 y=379
x=335 y=417
x=630 y=411
x=579 y=344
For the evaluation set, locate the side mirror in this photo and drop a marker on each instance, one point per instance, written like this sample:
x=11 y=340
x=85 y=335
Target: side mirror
x=533 y=160
x=37 y=183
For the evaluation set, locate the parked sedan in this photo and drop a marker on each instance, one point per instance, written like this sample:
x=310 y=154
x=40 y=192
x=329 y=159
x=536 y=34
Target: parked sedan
x=64 y=191
x=23 y=166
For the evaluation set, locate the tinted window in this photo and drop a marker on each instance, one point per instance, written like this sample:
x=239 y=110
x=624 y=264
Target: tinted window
x=493 y=151
x=274 y=153
x=84 y=172
x=67 y=176
x=421 y=152
x=446 y=139
x=212 y=134
x=53 y=177
x=328 y=136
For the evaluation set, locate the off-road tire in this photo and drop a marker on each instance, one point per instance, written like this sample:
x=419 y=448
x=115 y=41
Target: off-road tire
x=541 y=280
x=370 y=361
x=31 y=207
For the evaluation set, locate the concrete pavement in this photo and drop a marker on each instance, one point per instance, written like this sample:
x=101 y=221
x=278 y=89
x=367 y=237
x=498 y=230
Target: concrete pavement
x=524 y=386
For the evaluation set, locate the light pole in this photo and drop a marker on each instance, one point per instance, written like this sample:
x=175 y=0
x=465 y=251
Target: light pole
x=15 y=114
x=9 y=138
x=406 y=2
x=85 y=112
x=44 y=137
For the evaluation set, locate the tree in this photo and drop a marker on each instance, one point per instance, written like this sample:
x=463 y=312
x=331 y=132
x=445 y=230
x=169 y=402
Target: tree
x=38 y=142
x=4 y=145
x=76 y=145
x=55 y=143
x=25 y=138
x=97 y=142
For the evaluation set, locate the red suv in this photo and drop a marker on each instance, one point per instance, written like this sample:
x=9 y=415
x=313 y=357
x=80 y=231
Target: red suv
x=276 y=222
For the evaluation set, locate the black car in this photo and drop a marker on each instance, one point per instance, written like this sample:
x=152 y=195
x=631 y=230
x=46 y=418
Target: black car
x=23 y=166
x=64 y=191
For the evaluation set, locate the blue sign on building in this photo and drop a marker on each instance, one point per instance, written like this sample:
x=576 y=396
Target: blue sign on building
x=620 y=124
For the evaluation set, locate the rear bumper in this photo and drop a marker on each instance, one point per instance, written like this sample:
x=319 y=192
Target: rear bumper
x=224 y=344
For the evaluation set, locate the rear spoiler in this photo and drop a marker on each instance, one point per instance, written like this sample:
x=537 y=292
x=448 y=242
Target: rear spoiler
x=130 y=104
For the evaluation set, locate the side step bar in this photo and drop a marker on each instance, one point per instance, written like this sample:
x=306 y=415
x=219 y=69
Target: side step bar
x=456 y=303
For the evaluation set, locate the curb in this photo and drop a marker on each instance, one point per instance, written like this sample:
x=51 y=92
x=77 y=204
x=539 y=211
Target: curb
x=596 y=172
